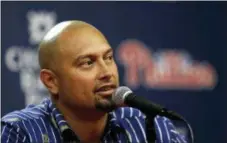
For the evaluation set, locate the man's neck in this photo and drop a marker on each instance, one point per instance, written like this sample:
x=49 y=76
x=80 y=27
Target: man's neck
x=88 y=126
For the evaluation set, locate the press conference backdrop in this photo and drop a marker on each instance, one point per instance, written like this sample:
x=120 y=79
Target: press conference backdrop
x=173 y=53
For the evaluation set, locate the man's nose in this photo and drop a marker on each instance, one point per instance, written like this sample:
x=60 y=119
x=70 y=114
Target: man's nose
x=105 y=72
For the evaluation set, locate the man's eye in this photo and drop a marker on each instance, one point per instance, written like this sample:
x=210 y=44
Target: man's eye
x=87 y=63
x=110 y=57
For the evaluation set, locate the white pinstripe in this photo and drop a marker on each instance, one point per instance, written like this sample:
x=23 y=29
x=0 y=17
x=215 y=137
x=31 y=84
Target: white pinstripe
x=24 y=139
x=3 y=130
x=18 y=130
x=9 y=135
x=61 y=122
x=59 y=115
x=131 y=112
x=27 y=131
x=114 y=115
x=173 y=131
x=122 y=113
x=133 y=130
x=33 y=130
x=178 y=140
x=54 y=109
x=40 y=109
x=38 y=127
x=29 y=116
x=140 y=114
x=53 y=134
x=13 y=116
x=174 y=140
x=32 y=112
x=44 y=125
x=159 y=130
x=142 y=129
x=167 y=132
x=129 y=136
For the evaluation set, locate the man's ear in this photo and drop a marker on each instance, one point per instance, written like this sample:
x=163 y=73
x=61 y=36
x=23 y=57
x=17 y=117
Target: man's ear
x=49 y=79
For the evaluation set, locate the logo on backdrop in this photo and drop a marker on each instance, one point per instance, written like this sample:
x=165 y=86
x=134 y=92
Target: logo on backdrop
x=24 y=59
x=165 y=69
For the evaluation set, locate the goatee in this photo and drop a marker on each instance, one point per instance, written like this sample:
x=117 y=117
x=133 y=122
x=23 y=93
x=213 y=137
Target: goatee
x=105 y=104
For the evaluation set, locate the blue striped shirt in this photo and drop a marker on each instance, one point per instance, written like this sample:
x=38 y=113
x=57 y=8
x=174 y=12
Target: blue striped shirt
x=44 y=123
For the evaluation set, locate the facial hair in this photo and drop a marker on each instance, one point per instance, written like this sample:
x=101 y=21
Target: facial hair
x=105 y=104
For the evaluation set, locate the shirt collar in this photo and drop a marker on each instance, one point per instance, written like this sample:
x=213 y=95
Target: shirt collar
x=59 y=122
x=68 y=135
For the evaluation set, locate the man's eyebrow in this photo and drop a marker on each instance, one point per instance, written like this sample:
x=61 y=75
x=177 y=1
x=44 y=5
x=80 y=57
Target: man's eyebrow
x=108 y=51
x=92 y=55
x=81 y=57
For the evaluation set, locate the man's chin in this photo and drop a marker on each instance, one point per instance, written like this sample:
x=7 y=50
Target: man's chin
x=106 y=105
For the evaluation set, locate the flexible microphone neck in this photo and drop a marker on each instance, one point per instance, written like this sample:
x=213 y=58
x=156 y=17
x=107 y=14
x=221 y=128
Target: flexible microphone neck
x=148 y=107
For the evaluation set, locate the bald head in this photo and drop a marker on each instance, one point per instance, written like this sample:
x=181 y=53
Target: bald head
x=52 y=42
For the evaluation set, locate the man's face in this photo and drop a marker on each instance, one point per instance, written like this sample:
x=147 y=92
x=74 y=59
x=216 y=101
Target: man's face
x=88 y=74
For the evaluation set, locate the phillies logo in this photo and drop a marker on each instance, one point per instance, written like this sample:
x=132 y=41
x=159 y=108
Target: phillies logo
x=169 y=69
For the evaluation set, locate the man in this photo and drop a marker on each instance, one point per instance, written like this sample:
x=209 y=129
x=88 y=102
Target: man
x=78 y=69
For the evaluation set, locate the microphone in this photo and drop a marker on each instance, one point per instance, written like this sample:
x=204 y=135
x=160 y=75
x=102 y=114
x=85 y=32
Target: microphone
x=124 y=96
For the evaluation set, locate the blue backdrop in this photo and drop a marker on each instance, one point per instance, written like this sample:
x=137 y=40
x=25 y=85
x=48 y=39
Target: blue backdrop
x=173 y=53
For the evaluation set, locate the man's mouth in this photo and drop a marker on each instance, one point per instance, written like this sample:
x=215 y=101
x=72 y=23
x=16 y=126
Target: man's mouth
x=106 y=90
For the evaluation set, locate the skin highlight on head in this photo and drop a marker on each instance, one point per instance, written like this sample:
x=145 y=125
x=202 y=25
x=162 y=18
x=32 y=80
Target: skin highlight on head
x=78 y=68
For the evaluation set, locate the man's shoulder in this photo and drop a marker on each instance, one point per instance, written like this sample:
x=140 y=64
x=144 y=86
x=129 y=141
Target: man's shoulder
x=128 y=112
x=31 y=112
